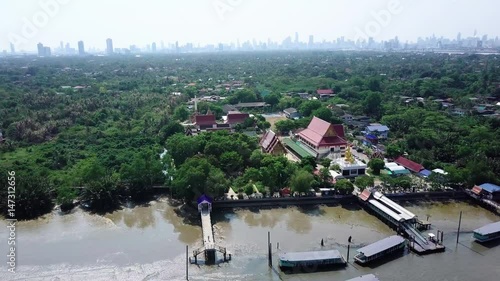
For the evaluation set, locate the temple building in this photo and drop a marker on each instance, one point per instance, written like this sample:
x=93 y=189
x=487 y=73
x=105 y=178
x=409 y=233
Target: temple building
x=271 y=144
x=205 y=122
x=349 y=167
x=323 y=139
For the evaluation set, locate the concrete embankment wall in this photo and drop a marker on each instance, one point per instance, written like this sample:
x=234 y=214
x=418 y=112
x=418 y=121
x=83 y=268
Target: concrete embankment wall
x=300 y=201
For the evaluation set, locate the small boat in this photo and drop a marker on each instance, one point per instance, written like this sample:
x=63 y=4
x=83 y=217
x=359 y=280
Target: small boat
x=369 y=277
x=380 y=249
x=312 y=260
x=488 y=232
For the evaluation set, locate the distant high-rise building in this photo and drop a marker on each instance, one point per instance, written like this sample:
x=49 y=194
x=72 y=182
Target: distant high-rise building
x=221 y=47
x=109 y=46
x=311 y=40
x=459 y=37
x=177 y=46
x=47 y=52
x=153 y=47
x=61 y=46
x=81 y=48
x=296 y=38
x=67 y=50
x=41 y=50
x=162 y=44
x=12 y=48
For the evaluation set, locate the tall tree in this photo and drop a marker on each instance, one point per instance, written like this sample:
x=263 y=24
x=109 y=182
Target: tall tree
x=301 y=181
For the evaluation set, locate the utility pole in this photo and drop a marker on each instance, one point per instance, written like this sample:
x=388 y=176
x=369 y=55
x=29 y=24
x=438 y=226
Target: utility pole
x=459 y=223
x=187 y=262
x=270 y=257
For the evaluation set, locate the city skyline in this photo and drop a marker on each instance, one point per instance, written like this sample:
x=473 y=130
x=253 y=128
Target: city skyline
x=223 y=21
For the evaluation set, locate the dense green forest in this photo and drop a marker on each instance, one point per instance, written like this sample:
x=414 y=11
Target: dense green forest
x=100 y=123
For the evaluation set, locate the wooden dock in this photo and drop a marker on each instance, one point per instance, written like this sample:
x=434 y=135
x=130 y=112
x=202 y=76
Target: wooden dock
x=209 y=248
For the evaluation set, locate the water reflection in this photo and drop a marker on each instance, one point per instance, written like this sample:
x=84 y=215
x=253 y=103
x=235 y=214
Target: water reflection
x=187 y=234
x=138 y=217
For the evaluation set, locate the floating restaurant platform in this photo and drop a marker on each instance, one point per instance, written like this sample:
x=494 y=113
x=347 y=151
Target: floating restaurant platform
x=488 y=232
x=401 y=219
x=380 y=249
x=315 y=259
x=369 y=277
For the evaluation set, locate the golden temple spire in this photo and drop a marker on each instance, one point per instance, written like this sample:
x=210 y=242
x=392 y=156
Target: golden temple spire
x=348 y=156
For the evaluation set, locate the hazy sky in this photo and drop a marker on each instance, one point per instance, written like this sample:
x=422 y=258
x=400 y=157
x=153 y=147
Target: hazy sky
x=127 y=22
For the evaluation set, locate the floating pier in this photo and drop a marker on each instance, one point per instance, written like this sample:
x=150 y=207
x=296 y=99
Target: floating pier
x=312 y=261
x=380 y=249
x=399 y=218
x=209 y=248
x=488 y=232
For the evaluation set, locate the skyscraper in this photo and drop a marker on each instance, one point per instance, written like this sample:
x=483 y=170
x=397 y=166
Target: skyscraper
x=12 y=48
x=153 y=47
x=296 y=38
x=81 y=48
x=311 y=40
x=109 y=46
x=47 y=52
x=41 y=50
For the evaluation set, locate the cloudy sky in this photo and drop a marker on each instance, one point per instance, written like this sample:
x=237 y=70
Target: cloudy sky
x=127 y=22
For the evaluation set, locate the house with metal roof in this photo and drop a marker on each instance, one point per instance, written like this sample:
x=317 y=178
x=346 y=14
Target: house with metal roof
x=488 y=190
x=378 y=130
x=324 y=138
x=410 y=165
x=291 y=113
x=325 y=93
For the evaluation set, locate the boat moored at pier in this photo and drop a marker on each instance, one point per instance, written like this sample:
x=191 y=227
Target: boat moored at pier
x=312 y=260
x=488 y=232
x=380 y=249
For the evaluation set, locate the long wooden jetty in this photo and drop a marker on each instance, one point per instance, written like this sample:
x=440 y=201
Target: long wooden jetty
x=210 y=248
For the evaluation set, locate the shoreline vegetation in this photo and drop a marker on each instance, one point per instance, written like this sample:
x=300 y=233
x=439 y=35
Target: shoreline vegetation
x=91 y=129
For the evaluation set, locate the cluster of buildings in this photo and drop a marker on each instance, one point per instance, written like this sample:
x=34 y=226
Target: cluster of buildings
x=208 y=122
x=484 y=106
x=432 y=43
x=320 y=139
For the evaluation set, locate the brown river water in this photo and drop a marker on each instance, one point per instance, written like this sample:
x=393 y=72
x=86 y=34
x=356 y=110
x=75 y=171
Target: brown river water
x=148 y=243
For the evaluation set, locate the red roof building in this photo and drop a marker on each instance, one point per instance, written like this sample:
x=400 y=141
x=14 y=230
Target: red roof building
x=323 y=137
x=325 y=92
x=204 y=120
x=271 y=144
x=410 y=165
x=235 y=118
